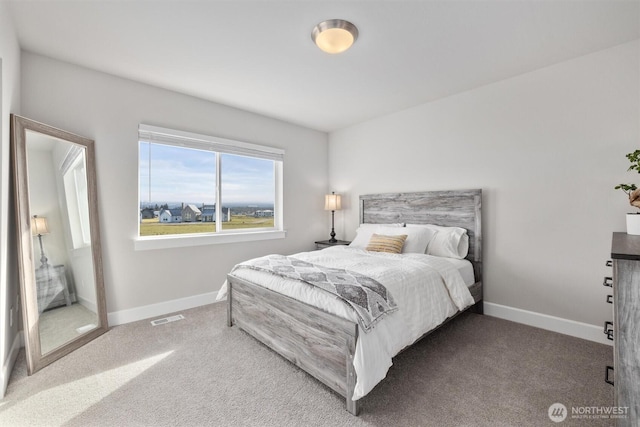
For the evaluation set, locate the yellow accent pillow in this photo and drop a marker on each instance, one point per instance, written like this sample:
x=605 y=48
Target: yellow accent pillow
x=390 y=244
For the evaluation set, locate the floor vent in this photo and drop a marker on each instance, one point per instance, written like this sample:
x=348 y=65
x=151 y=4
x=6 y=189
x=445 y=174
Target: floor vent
x=167 y=320
x=86 y=328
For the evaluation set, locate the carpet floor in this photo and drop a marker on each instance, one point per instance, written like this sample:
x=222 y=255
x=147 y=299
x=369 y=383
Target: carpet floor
x=475 y=371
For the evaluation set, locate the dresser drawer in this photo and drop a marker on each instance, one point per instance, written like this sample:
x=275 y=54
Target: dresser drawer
x=52 y=288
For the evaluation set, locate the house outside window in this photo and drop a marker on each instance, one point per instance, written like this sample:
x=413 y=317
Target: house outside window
x=202 y=185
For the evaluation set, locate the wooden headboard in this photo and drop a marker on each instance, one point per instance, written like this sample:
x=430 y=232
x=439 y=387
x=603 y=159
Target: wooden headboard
x=455 y=208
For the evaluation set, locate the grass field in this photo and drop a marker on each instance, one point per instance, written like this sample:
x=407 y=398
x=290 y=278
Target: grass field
x=151 y=227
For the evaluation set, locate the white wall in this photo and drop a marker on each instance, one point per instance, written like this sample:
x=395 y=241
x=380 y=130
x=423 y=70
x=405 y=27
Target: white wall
x=44 y=200
x=10 y=95
x=546 y=147
x=109 y=109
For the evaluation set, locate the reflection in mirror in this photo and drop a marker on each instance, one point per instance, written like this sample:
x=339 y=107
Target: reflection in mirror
x=65 y=286
x=63 y=293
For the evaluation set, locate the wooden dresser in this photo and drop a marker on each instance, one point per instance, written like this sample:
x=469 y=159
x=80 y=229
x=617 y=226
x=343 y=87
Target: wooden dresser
x=625 y=253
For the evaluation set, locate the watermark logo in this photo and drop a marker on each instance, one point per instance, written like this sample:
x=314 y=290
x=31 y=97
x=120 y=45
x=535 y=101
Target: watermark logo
x=557 y=412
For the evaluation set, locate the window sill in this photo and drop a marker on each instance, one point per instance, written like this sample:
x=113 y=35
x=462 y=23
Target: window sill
x=167 y=242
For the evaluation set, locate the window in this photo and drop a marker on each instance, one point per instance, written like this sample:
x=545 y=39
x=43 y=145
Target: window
x=76 y=195
x=197 y=185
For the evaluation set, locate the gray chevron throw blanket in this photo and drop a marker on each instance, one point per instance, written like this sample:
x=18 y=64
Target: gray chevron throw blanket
x=368 y=297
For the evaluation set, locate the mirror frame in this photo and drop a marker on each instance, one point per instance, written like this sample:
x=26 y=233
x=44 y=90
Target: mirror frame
x=26 y=265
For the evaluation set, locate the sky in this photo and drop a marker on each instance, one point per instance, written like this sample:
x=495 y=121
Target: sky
x=188 y=175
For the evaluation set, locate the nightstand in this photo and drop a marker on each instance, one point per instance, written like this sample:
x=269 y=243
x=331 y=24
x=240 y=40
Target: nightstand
x=325 y=243
x=52 y=287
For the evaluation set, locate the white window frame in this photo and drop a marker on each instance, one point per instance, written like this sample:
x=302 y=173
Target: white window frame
x=159 y=135
x=74 y=182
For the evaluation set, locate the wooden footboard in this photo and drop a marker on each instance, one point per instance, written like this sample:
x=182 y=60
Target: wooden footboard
x=321 y=344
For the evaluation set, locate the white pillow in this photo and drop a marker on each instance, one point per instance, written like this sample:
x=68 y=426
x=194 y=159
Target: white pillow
x=365 y=231
x=417 y=238
x=449 y=242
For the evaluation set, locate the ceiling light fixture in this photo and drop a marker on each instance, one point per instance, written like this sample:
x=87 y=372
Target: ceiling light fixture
x=334 y=35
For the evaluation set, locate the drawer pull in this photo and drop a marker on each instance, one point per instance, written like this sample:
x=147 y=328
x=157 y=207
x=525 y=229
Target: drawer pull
x=606 y=375
x=608 y=281
x=610 y=299
x=608 y=330
x=609 y=263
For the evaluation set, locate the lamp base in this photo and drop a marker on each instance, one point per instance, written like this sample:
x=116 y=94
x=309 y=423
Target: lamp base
x=333 y=235
x=333 y=231
x=44 y=264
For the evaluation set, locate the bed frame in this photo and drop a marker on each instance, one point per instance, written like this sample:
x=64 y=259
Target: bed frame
x=323 y=344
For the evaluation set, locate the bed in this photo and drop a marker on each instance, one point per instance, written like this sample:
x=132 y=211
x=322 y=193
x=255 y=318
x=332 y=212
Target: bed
x=327 y=345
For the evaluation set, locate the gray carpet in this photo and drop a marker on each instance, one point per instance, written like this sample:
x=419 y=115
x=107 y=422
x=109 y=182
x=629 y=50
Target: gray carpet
x=475 y=371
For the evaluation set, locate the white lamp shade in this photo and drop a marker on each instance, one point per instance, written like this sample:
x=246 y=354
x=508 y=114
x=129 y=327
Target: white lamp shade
x=39 y=225
x=332 y=202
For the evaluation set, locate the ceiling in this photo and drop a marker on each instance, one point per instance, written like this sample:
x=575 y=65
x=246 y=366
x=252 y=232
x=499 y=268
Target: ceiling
x=258 y=55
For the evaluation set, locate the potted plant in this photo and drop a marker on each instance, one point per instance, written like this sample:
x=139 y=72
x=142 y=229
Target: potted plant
x=633 y=219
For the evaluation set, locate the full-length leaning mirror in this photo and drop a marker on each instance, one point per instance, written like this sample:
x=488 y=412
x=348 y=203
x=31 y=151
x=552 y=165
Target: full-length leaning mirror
x=63 y=301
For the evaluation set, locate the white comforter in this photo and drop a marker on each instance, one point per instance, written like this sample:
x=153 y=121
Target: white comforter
x=426 y=289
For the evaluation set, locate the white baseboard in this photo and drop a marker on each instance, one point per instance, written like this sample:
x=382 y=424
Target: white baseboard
x=89 y=305
x=550 y=323
x=162 y=308
x=531 y=318
x=18 y=343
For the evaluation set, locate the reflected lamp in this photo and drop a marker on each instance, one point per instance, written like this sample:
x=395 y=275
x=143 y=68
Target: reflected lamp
x=40 y=227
